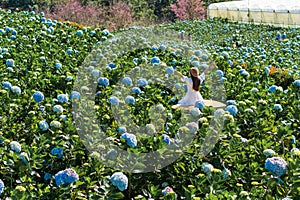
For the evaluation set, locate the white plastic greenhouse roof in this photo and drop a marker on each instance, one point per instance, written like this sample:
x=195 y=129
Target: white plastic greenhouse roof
x=292 y=6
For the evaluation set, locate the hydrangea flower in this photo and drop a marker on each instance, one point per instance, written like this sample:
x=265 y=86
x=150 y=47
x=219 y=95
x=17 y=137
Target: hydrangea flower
x=130 y=139
x=254 y=90
x=112 y=65
x=15 y=146
x=43 y=125
x=16 y=90
x=119 y=180
x=103 y=81
x=95 y=72
x=10 y=63
x=79 y=32
x=136 y=90
x=111 y=154
x=63 y=117
x=58 y=65
x=127 y=81
x=232 y=109
x=57 y=152
x=276 y=165
x=62 y=98
x=55 y=124
x=230 y=102
x=272 y=88
x=155 y=60
x=75 y=95
x=207 y=168
x=199 y=104
x=297 y=83
x=129 y=100
x=167 y=190
x=278 y=107
x=122 y=129
x=177 y=86
x=220 y=73
x=58 y=109
x=69 y=51
x=166 y=139
x=24 y=157
x=38 y=96
x=66 y=176
x=268 y=152
x=113 y=101
x=226 y=173
x=195 y=112
x=6 y=85
x=142 y=82
x=47 y=176
x=195 y=63
x=192 y=126
x=1 y=186
x=170 y=70
x=105 y=32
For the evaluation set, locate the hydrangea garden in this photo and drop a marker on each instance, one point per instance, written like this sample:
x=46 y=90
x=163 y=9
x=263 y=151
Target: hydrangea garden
x=43 y=157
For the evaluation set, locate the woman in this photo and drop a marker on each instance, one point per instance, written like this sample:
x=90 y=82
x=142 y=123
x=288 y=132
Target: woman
x=193 y=85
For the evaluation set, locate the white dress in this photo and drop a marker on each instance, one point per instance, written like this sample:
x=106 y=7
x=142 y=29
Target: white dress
x=191 y=96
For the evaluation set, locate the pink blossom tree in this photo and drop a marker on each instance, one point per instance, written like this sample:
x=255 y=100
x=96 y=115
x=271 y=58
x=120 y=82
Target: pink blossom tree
x=120 y=15
x=188 y=9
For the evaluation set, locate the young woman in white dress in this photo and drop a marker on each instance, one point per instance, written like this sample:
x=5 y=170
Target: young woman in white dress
x=193 y=85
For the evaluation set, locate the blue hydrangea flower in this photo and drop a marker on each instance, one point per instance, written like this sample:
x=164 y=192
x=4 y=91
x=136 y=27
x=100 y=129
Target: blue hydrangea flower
x=69 y=51
x=57 y=152
x=197 y=52
x=293 y=141
x=166 y=139
x=15 y=146
x=103 y=81
x=63 y=117
x=127 y=80
x=199 y=104
x=230 y=62
x=6 y=85
x=105 y=32
x=154 y=48
x=276 y=165
x=155 y=60
x=38 y=96
x=177 y=86
x=130 y=139
x=58 y=109
x=58 y=65
x=232 y=109
x=269 y=152
x=122 y=130
x=113 y=101
x=12 y=37
x=195 y=63
x=129 y=100
x=142 y=82
x=43 y=125
x=167 y=190
x=230 y=102
x=111 y=154
x=267 y=70
x=170 y=70
x=136 y=90
x=272 y=88
x=297 y=83
x=119 y=180
x=207 y=168
x=135 y=60
x=66 y=176
x=69 y=78
x=75 y=95
x=47 y=176
x=2 y=31
x=112 y=65
x=79 y=32
x=226 y=173
x=24 y=157
x=1 y=186
x=194 y=112
x=62 y=98
x=278 y=107
x=223 y=79
x=16 y=89
x=220 y=73
x=95 y=73
x=225 y=54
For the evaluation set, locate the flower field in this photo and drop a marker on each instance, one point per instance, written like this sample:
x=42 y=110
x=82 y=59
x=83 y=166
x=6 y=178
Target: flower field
x=44 y=156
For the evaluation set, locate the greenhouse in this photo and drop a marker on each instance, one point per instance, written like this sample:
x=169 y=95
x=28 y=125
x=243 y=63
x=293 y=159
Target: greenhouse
x=276 y=12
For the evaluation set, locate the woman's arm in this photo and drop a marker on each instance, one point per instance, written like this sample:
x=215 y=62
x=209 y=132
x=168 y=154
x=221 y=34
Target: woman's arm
x=178 y=73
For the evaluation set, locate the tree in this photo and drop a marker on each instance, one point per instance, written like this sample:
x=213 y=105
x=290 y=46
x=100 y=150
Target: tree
x=188 y=9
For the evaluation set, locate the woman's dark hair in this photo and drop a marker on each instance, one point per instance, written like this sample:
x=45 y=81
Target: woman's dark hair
x=196 y=83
